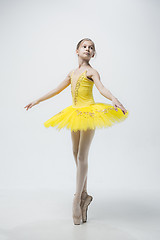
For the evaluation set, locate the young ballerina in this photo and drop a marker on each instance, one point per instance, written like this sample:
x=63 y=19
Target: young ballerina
x=82 y=118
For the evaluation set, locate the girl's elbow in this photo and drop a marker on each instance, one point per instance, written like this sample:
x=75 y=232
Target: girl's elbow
x=55 y=91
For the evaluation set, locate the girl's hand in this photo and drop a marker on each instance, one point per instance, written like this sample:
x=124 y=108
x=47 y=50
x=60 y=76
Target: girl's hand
x=31 y=104
x=116 y=104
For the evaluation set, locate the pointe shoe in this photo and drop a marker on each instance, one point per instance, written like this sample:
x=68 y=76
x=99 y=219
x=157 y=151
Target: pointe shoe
x=76 y=210
x=85 y=201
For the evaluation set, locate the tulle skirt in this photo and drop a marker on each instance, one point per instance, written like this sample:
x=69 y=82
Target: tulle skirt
x=98 y=115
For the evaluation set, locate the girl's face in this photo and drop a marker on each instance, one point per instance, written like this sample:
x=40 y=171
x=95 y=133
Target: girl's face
x=86 y=50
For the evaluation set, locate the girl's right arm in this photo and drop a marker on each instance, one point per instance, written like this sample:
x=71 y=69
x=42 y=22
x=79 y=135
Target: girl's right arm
x=66 y=82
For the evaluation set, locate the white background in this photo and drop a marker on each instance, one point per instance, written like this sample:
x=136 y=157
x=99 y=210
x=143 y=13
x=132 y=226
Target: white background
x=38 y=42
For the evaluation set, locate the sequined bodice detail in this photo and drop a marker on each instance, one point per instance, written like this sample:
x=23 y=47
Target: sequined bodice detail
x=81 y=91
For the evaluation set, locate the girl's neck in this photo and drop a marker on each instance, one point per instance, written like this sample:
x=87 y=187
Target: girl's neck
x=83 y=63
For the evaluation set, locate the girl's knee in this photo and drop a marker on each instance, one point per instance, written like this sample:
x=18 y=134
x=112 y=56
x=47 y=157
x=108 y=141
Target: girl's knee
x=75 y=152
x=82 y=158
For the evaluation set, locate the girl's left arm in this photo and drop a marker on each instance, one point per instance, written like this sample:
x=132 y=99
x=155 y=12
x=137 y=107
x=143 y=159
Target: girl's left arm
x=106 y=93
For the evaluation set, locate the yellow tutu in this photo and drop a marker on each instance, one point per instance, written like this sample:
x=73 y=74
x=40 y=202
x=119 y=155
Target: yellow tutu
x=84 y=113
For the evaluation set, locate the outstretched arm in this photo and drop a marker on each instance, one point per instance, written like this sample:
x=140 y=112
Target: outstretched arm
x=66 y=82
x=106 y=93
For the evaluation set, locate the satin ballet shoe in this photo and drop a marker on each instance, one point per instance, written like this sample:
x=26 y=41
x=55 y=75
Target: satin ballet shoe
x=76 y=210
x=85 y=201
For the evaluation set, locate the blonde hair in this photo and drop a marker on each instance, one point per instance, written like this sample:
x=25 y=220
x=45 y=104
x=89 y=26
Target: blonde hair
x=86 y=39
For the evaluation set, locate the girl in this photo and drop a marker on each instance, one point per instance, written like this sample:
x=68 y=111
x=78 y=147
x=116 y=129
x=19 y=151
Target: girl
x=82 y=118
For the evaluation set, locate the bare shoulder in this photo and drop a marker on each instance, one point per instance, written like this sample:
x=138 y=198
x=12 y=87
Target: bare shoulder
x=92 y=74
x=70 y=73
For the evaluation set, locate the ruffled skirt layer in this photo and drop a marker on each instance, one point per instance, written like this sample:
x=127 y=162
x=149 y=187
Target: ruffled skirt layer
x=96 y=115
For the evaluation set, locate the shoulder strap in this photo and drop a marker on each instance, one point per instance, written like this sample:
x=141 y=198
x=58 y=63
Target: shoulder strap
x=72 y=73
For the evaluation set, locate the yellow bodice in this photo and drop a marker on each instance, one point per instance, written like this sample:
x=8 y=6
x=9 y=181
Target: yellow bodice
x=84 y=113
x=81 y=91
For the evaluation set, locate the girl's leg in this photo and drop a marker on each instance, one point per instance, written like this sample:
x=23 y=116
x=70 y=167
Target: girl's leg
x=75 y=136
x=82 y=158
x=81 y=141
